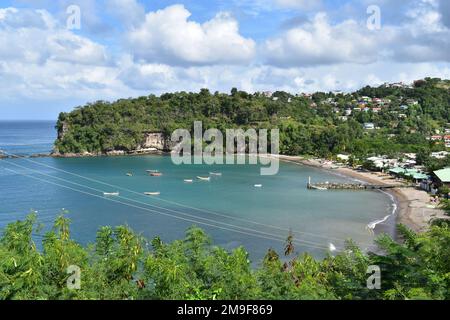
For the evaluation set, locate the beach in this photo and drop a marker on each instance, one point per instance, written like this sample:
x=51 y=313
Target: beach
x=414 y=207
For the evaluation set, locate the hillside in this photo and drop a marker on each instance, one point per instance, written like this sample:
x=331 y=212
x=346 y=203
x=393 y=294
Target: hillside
x=387 y=119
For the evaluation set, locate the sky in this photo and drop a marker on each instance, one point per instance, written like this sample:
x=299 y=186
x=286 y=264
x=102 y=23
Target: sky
x=57 y=55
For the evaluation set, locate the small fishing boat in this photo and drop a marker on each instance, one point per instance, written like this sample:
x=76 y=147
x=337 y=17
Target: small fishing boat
x=332 y=247
x=188 y=180
x=129 y=174
x=152 y=171
x=319 y=188
x=258 y=185
x=215 y=174
x=204 y=178
x=111 y=194
x=156 y=174
x=152 y=193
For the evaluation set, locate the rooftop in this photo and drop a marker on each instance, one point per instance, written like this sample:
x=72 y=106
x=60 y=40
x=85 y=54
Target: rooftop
x=443 y=175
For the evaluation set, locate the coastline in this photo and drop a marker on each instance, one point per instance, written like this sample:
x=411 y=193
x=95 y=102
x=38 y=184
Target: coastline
x=414 y=208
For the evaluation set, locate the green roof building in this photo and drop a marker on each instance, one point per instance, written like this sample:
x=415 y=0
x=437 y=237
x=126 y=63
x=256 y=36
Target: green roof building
x=443 y=176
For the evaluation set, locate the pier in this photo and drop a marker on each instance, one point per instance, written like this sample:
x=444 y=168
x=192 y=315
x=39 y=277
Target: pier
x=353 y=186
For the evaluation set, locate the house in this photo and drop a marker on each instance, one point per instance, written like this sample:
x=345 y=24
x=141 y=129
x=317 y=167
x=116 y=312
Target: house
x=376 y=110
x=404 y=107
x=343 y=157
x=348 y=112
x=440 y=155
x=443 y=177
x=369 y=126
x=436 y=138
x=343 y=118
x=412 y=102
x=377 y=100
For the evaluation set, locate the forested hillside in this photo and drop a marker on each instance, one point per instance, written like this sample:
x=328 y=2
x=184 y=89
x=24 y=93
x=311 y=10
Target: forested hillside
x=320 y=124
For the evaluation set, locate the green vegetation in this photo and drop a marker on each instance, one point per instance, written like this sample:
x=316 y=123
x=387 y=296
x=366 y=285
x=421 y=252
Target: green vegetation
x=309 y=125
x=123 y=265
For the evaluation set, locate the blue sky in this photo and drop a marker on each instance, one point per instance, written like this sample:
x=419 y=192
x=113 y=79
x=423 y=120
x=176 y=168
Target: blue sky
x=129 y=48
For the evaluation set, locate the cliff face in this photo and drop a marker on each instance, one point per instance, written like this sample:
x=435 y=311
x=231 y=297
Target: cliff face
x=156 y=140
x=152 y=142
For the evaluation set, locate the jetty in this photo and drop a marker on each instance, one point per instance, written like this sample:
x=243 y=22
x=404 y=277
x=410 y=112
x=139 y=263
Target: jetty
x=353 y=186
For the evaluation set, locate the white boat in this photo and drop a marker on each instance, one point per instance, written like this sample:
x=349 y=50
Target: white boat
x=188 y=180
x=111 y=194
x=152 y=171
x=258 y=185
x=152 y=193
x=332 y=247
x=129 y=174
x=215 y=174
x=204 y=178
x=319 y=188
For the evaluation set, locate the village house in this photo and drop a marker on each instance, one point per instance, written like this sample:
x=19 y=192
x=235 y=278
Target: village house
x=440 y=155
x=376 y=110
x=442 y=177
x=369 y=126
x=412 y=102
x=435 y=138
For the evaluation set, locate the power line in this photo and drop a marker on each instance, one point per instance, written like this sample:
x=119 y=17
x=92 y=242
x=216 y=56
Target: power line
x=165 y=214
x=170 y=210
x=182 y=205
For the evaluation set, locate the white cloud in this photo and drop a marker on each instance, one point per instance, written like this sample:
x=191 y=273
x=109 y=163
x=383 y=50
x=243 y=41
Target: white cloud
x=43 y=40
x=168 y=36
x=318 y=42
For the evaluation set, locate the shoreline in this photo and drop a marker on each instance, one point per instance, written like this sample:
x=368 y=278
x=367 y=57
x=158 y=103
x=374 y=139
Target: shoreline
x=414 y=208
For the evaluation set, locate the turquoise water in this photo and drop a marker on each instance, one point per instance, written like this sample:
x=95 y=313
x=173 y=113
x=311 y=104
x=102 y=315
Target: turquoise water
x=229 y=207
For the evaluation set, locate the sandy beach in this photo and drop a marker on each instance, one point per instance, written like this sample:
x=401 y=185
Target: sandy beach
x=415 y=209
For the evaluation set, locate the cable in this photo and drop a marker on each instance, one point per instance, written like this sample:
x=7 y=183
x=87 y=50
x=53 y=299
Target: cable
x=164 y=214
x=179 y=204
x=179 y=212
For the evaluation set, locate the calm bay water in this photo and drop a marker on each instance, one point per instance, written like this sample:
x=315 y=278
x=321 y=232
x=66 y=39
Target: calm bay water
x=229 y=207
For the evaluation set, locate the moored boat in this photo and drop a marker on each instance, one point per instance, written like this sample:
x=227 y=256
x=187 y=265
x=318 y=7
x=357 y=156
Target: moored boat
x=319 y=188
x=219 y=174
x=156 y=174
x=188 y=180
x=258 y=185
x=204 y=178
x=111 y=194
x=152 y=193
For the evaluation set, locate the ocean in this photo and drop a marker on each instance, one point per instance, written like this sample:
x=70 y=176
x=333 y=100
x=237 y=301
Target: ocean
x=228 y=207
